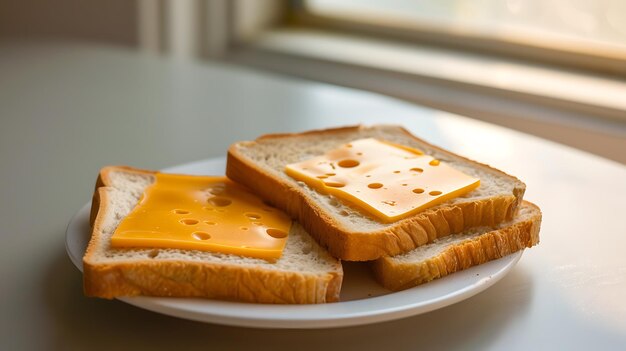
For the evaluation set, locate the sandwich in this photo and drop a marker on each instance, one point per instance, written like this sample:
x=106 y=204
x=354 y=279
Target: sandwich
x=156 y=234
x=371 y=192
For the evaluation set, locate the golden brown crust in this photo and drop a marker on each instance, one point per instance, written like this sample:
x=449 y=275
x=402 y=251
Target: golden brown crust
x=402 y=236
x=178 y=278
x=103 y=180
x=489 y=246
x=335 y=130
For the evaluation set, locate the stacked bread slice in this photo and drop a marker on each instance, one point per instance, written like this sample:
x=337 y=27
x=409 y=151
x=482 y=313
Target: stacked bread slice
x=483 y=225
x=454 y=253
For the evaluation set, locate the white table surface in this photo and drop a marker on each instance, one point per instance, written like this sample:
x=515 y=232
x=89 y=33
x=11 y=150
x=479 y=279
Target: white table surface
x=66 y=110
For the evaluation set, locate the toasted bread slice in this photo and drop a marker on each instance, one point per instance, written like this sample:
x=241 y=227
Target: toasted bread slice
x=305 y=273
x=347 y=232
x=461 y=251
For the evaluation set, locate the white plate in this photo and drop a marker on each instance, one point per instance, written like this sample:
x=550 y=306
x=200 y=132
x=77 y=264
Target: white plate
x=362 y=300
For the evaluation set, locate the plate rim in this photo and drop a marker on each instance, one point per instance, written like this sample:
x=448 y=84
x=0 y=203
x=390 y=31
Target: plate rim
x=295 y=317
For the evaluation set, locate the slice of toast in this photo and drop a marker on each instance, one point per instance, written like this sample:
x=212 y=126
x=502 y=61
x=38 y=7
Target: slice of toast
x=458 y=252
x=305 y=273
x=348 y=233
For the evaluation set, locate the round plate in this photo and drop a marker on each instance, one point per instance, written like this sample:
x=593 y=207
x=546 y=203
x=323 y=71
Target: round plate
x=362 y=300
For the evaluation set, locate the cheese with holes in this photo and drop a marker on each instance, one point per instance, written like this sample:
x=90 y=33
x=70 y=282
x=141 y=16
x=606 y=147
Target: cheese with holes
x=203 y=213
x=388 y=181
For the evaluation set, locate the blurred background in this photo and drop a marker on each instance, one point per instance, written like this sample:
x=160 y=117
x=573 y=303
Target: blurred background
x=552 y=68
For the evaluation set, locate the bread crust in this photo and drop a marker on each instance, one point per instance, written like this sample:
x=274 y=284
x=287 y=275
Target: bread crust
x=395 y=275
x=183 y=278
x=402 y=236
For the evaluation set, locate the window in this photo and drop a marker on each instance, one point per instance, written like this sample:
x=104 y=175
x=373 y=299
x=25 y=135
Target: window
x=589 y=34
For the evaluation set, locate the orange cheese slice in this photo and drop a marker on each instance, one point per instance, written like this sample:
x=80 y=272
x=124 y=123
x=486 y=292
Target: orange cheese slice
x=203 y=213
x=388 y=181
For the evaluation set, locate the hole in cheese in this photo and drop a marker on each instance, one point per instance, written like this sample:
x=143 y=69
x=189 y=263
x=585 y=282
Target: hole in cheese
x=220 y=201
x=434 y=163
x=418 y=170
x=252 y=215
x=434 y=193
x=179 y=211
x=276 y=233
x=201 y=236
x=217 y=189
x=418 y=190
x=374 y=185
x=348 y=163
x=189 y=221
x=210 y=223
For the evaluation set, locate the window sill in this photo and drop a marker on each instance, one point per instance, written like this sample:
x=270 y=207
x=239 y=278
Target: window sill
x=582 y=92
